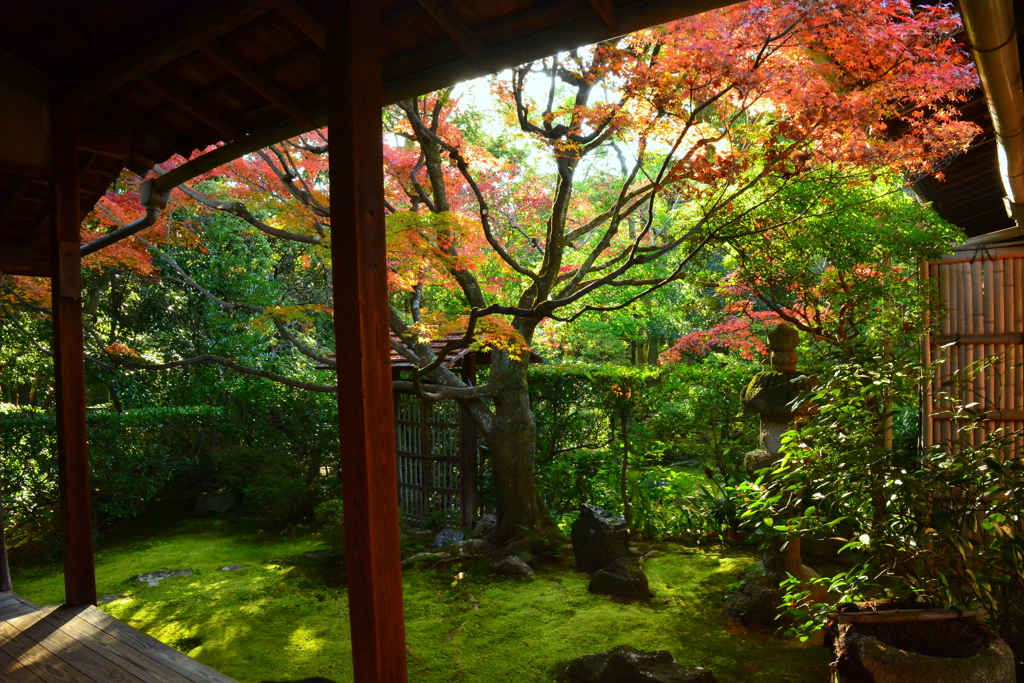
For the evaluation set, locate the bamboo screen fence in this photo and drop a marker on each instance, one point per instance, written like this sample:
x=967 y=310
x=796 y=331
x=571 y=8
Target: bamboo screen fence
x=983 y=293
x=436 y=450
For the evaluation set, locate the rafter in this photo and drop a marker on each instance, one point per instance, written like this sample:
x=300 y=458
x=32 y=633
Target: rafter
x=258 y=82
x=182 y=99
x=448 y=19
x=304 y=21
x=176 y=38
x=16 y=259
x=11 y=198
x=607 y=11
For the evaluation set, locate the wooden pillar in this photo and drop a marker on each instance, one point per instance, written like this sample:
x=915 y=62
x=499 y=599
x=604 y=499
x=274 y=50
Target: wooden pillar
x=365 y=417
x=468 y=450
x=69 y=363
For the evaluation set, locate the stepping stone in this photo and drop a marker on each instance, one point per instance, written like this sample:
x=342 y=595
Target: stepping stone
x=317 y=554
x=109 y=597
x=154 y=578
x=232 y=568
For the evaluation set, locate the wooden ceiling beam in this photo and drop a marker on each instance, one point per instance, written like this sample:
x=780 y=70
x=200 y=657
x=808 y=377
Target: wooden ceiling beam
x=184 y=100
x=607 y=12
x=117 y=147
x=17 y=259
x=11 y=198
x=144 y=125
x=258 y=82
x=304 y=21
x=449 y=20
x=178 y=37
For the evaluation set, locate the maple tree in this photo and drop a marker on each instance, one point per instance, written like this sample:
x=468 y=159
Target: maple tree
x=728 y=125
x=630 y=159
x=847 y=281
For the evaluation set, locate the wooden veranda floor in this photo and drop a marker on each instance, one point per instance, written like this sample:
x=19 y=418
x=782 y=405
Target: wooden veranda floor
x=86 y=645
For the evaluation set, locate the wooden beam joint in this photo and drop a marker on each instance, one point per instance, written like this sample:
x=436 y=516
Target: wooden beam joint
x=258 y=82
x=607 y=12
x=448 y=19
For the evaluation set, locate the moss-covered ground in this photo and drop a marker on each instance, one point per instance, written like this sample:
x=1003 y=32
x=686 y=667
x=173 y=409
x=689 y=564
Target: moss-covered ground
x=288 y=618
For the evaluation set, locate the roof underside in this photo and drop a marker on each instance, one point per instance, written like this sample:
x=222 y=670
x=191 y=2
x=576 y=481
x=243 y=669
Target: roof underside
x=971 y=193
x=156 y=78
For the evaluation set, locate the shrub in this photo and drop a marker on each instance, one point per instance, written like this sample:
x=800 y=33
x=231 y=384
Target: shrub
x=133 y=456
x=943 y=524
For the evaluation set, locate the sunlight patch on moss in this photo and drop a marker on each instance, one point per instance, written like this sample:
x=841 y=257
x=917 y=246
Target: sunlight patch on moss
x=290 y=620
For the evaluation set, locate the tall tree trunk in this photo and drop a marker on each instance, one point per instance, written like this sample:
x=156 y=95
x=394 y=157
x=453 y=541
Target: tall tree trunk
x=513 y=446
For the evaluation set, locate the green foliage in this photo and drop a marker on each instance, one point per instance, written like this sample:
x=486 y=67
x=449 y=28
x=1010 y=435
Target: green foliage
x=330 y=523
x=941 y=524
x=276 y=446
x=685 y=432
x=279 y=449
x=134 y=455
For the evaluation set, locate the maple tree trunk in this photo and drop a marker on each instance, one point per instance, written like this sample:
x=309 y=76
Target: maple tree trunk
x=513 y=446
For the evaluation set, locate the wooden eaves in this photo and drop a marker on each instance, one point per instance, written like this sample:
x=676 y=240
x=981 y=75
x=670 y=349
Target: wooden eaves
x=92 y=87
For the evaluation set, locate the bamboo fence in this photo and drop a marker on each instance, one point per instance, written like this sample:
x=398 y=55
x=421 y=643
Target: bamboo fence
x=982 y=330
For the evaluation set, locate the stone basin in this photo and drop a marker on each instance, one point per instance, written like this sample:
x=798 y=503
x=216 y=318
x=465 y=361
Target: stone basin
x=945 y=651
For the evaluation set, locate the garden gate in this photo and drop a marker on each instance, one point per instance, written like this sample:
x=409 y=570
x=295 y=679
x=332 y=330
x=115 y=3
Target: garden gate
x=436 y=448
x=982 y=290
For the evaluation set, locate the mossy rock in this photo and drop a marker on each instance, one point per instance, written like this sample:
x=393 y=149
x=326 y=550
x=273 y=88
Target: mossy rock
x=770 y=393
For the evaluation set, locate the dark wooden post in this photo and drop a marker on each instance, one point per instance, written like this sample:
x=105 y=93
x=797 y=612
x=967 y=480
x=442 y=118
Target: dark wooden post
x=468 y=450
x=5 y=572
x=365 y=417
x=69 y=363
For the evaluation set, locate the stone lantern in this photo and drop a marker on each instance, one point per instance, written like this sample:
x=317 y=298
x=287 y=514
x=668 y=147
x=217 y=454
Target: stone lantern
x=771 y=394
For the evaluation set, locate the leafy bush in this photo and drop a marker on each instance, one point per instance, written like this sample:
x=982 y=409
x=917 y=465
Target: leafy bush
x=942 y=524
x=279 y=449
x=133 y=456
x=681 y=427
x=330 y=523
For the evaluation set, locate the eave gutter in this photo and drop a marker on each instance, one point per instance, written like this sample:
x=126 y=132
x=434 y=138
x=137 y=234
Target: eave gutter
x=992 y=36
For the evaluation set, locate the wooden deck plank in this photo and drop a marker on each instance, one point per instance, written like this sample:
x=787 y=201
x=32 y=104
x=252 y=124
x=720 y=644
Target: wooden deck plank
x=58 y=644
x=137 y=640
x=11 y=670
x=138 y=663
x=37 y=658
x=75 y=654
x=16 y=610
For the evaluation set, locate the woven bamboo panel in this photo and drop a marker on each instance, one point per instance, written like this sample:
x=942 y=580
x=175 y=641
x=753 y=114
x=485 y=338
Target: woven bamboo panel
x=978 y=345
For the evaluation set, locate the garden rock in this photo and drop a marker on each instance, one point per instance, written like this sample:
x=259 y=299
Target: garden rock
x=756 y=603
x=625 y=664
x=232 y=567
x=757 y=460
x=109 y=597
x=221 y=501
x=446 y=537
x=621 y=579
x=471 y=545
x=317 y=554
x=513 y=566
x=485 y=525
x=598 y=539
x=154 y=578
